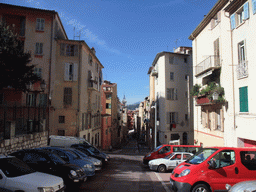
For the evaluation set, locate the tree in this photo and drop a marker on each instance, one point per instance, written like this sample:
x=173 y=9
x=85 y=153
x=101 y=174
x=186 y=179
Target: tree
x=15 y=71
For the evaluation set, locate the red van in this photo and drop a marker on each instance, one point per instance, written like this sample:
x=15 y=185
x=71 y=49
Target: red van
x=164 y=150
x=210 y=169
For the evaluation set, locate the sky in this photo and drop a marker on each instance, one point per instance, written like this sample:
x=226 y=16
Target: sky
x=127 y=34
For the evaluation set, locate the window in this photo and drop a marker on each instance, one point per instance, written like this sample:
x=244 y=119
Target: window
x=174 y=117
x=248 y=159
x=242 y=69
x=71 y=72
x=68 y=49
x=108 y=96
x=61 y=119
x=90 y=60
x=39 y=48
x=186 y=77
x=186 y=94
x=186 y=117
x=61 y=132
x=67 y=96
x=172 y=94
x=31 y=99
x=40 y=24
x=38 y=72
x=185 y=60
x=171 y=60
x=224 y=159
x=240 y=16
x=108 y=105
x=243 y=98
x=171 y=76
x=215 y=20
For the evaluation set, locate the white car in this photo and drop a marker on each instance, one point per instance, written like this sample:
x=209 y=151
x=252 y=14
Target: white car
x=244 y=186
x=169 y=162
x=15 y=175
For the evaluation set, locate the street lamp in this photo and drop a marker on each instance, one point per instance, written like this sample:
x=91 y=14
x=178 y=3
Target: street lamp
x=215 y=96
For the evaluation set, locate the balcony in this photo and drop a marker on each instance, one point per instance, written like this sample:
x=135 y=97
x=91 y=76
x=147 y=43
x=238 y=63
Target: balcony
x=209 y=64
x=242 y=69
x=154 y=73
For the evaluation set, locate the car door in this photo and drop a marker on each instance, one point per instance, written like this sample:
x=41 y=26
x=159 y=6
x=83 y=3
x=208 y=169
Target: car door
x=185 y=156
x=224 y=170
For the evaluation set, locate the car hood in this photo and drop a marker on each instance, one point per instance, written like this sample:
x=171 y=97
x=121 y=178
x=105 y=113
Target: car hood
x=36 y=179
x=158 y=161
x=92 y=159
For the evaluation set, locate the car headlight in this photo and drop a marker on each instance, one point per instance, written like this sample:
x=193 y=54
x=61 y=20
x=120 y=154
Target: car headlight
x=106 y=159
x=184 y=173
x=45 y=189
x=228 y=187
x=88 y=166
x=73 y=173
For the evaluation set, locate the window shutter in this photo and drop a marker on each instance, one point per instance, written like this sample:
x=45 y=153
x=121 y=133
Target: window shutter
x=233 y=21
x=66 y=72
x=243 y=94
x=75 y=72
x=246 y=10
x=175 y=94
x=168 y=118
x=254 y=6
x=37 y=24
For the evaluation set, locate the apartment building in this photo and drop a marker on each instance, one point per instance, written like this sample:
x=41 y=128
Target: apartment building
x=110 y=106
x=76 y=94
x=223 y=46
x=27 y=124
x=170 y=79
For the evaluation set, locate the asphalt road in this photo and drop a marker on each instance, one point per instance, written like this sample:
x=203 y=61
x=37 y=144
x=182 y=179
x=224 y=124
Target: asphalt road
x=126 y=172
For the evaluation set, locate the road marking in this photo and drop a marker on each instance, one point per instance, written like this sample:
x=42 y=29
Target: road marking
x=160 y=179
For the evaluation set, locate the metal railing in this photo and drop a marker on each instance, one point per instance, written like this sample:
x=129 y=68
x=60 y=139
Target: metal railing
x=242 y=69
x=210 y=62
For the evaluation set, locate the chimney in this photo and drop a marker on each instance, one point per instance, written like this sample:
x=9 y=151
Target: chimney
x=93 y=50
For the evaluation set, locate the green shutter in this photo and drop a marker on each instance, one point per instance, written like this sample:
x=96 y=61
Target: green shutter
x=243 y=95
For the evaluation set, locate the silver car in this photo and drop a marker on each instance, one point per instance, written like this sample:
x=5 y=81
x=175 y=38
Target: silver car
x=244 y=186
x=169 y=162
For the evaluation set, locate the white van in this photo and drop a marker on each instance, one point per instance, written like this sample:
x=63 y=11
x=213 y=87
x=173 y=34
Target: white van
x=15 y=175
x=66 y=141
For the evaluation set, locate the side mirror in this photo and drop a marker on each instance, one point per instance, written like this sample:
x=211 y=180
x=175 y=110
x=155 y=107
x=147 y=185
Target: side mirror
x=212 y=164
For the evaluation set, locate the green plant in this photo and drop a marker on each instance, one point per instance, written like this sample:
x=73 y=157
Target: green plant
x=195 y=90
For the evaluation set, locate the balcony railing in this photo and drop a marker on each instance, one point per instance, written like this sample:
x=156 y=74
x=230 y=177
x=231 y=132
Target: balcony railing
x=211 y=62
x=242 y=69
x=154 y=73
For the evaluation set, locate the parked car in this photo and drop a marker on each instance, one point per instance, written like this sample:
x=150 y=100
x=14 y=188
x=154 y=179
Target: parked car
x=244 y=186
x=96 y=162
x=92 y=149
x=15 y=175
x=100 y=157
x=163 y=150
x=169 y=161
x=72 y=158
x=48 y=162
x=212 y=168
x=66 y=141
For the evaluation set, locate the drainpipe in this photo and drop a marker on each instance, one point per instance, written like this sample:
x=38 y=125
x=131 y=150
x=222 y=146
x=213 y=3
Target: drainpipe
x=49 y=83
x=79 y=89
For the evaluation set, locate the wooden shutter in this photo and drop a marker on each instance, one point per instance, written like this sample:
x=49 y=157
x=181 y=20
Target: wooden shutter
x=75 y=71
x=254 y=6
x=168 y=118
x=216 y=52
x=233 y=21
x=243 y=95
x=66 y=72
x=246 y=10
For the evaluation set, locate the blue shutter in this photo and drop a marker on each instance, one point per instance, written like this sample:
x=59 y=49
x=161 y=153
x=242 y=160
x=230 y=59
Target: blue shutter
x=243 y=96
x=246 y=10
x=254 y=6
x=233 y=21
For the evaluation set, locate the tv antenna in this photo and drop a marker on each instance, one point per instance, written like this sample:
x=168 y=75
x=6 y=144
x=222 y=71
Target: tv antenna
x=76 y=35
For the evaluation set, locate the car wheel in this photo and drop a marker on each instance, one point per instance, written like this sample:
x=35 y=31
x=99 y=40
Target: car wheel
x=161 y=168
x=201 y=188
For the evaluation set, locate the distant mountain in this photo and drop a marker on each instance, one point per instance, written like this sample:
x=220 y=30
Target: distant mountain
x=133 y=106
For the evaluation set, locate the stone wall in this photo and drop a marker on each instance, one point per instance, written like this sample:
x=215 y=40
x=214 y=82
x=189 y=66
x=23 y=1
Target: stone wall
x=33 y=140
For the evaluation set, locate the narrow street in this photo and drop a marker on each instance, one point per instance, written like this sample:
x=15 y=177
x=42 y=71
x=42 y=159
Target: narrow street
x=126 y=172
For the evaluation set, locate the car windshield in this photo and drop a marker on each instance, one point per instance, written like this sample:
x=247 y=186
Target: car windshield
x=78 y=152
x=76 y=156
x=156 y=149
x=168 y=156
x=201 y=156
x=93 y=149
x=13 y=167
x=55 y=158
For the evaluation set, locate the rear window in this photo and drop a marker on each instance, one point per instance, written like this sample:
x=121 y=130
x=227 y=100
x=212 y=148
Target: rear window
x=248 y=159
x=186 y=149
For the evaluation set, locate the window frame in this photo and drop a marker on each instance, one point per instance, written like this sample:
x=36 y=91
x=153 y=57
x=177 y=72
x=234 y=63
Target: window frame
x=39 y=48
x=67 y=96
x=40 y=24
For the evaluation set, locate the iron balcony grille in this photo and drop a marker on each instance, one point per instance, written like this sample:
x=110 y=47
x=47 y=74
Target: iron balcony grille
x=211 y=62
x=242 y=69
